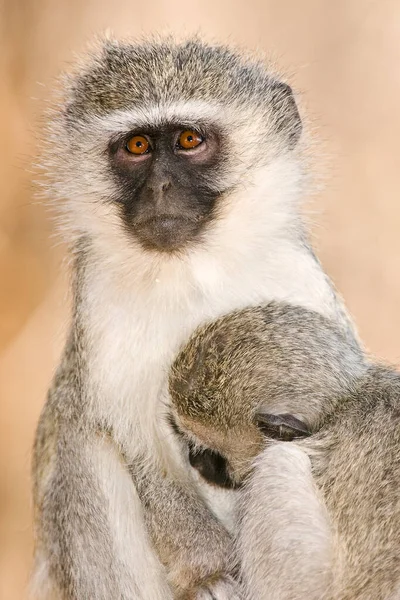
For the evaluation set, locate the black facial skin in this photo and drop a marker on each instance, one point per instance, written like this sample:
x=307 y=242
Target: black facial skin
x=212 y=466
x=165 y=194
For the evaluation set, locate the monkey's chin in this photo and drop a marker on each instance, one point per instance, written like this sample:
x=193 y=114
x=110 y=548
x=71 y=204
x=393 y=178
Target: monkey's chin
x=166 y=233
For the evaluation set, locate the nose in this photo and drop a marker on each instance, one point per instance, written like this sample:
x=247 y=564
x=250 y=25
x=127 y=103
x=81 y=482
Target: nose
x=159 y=185
x=156 y=192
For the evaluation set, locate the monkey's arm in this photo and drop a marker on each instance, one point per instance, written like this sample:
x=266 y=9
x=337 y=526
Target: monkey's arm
x=193 y=546
x=91 y=538
x=284 y=542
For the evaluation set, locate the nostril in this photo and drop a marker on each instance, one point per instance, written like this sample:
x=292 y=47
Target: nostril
x=158 y=186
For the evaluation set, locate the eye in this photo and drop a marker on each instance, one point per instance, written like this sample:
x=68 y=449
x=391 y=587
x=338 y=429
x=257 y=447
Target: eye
x=189 y=139
x=138 y=144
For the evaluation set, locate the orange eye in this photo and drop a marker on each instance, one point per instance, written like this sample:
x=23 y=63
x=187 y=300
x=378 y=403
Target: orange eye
x=189 y=139
x=138 y=144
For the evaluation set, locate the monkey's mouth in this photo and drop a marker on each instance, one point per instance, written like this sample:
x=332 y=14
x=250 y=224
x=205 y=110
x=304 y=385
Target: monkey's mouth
x=166 y=233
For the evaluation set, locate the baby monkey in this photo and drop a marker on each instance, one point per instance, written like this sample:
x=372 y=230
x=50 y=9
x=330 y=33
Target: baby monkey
x=269 y=372
x=319 y=517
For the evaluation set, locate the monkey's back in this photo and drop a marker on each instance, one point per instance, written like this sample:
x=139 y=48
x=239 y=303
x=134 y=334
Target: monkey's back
x=360 y=479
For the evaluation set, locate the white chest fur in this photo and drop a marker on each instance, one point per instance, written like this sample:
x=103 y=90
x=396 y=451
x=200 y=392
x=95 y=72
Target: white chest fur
x=135 y=331
x=136 y=328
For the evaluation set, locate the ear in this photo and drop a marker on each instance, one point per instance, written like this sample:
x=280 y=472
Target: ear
x=287 y=119
x=283 y=427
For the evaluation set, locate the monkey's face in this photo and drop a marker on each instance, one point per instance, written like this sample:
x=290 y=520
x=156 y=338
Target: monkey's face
x=165 y=179
x=224 y=456
x=159 y=146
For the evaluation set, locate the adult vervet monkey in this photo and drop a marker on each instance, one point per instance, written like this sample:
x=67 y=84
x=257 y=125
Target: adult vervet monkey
x=178 y=174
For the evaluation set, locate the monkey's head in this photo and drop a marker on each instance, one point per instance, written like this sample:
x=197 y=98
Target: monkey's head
x=156 y=143
x=265 y=373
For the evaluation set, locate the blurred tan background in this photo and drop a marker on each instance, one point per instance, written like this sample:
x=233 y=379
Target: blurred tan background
x=345 y=60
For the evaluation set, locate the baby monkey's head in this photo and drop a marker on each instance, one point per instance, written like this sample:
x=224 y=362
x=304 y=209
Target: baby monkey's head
x=262 y=373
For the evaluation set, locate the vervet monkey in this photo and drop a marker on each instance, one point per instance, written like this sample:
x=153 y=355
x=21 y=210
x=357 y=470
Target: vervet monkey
x=177 y=172
x=320 y=516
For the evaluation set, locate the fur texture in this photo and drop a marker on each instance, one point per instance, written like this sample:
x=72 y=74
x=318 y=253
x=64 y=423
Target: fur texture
x=284 y=540
x=273 y=359
x=318 y=517
x=331 y=530
x=135 y=308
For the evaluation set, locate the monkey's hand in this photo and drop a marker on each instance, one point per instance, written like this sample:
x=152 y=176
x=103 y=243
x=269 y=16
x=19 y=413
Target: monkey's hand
x=193 y=546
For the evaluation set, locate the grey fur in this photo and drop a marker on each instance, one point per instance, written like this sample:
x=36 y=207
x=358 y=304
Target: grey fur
x=193 y=546
x=322 y=513
x=280 y=358
x=100 y=449
x=272 y=359
x=356 y=464
x=73 y=534
x=125 y=75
